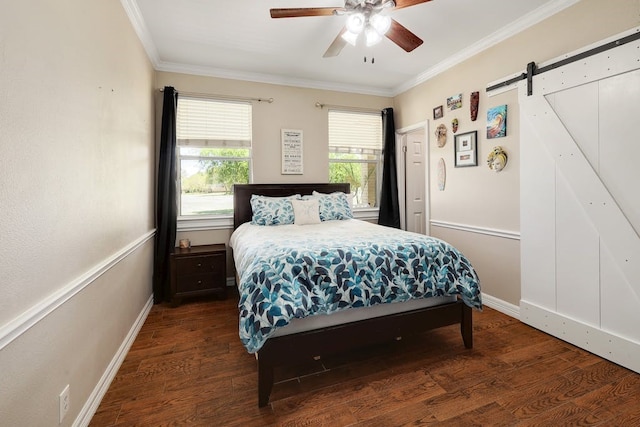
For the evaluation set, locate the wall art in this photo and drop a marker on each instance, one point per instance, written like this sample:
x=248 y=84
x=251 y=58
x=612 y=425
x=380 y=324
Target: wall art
x=442 y=174
x=441 y=135
x=437 y=112
x=497 y=122
x=497 y=159
x=454 y=102
x=465 y=147
x=292 y=162
x=454 y=125
x=474 y=101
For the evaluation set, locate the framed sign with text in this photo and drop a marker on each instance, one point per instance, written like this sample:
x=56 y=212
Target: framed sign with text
x=292 y=161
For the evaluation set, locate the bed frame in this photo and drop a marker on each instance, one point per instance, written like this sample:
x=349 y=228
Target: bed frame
x=303 y=346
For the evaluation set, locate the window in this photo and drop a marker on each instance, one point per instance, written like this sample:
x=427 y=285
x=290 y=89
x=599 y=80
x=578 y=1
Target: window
x=214 y=152
x=355 y=154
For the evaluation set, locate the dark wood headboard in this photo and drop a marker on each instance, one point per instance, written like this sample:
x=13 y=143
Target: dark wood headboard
x=242 y=195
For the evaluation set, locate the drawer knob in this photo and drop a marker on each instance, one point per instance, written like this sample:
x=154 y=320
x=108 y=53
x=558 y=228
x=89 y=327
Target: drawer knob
x=199 y=264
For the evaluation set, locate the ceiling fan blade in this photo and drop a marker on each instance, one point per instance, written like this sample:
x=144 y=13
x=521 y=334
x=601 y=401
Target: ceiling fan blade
x=400 y=4
x=296 y=12
x=403 y=37
x=336 y=45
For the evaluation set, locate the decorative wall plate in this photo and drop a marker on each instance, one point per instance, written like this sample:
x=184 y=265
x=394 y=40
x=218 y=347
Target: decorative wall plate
x=497 y=159
x=442 y=174
x=441 y=135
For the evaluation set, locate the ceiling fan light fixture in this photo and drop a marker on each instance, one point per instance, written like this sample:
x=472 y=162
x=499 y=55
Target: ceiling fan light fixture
x=355 y=22
x=372 y=36
x=381 y=23
x=388 y=4
x=350 y=37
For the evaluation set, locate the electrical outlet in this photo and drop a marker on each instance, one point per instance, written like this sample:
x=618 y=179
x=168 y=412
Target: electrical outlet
x=64 y=403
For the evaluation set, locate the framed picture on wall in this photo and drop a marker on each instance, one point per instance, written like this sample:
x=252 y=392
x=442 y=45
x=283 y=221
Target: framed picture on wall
x=465 y=148
x=437 y=112
x=497 y=122
x=454 y=102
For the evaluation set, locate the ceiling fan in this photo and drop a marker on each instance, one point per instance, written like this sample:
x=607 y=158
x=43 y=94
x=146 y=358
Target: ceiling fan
x=363 y=17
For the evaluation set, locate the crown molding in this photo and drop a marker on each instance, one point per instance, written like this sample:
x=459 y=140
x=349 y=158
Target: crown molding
x=530 y=19
x=270 y=79
x=133 y=12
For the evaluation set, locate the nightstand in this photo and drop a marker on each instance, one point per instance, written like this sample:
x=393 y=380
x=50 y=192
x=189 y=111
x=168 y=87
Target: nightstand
x=198 y=270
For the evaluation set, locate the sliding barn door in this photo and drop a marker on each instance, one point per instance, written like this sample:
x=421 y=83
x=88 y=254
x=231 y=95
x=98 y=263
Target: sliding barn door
x=580 y=203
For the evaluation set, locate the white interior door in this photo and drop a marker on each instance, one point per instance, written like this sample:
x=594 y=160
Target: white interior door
x=580 y=209
x=415 y=170
x=413 y=154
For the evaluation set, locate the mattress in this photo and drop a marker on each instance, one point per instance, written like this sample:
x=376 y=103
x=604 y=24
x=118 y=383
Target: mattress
x=294 y=278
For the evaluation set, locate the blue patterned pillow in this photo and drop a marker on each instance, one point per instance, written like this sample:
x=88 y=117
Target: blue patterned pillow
x=272 y=210
x=334 y=206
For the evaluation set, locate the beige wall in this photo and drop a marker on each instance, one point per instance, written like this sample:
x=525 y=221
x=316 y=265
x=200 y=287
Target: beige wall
x=292 y=108
x=76 y=190
x=475 y=197
x=478 y=197
x=76 y=184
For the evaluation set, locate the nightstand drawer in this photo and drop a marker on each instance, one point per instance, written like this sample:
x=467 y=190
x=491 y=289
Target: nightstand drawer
x=200 y=264
x=197 y=282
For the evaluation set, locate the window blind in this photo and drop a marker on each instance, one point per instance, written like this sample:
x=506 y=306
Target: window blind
x=355 y=131
x=213 y=123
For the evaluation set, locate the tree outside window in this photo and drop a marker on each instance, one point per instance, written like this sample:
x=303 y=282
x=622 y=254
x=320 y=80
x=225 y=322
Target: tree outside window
x=355 y=154
x=214 y=152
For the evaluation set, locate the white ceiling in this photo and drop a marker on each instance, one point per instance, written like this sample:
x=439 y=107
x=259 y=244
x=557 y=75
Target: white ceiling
x=238 y=39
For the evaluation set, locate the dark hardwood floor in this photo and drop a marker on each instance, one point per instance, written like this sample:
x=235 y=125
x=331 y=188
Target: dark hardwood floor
x=188 y=367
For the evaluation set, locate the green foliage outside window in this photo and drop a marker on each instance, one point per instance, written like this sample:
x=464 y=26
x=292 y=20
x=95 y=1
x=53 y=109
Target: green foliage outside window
x=219 y=170
x=361 y=175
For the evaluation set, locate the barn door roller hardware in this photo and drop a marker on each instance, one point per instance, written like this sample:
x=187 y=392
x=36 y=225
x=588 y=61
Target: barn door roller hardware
x=533 y=70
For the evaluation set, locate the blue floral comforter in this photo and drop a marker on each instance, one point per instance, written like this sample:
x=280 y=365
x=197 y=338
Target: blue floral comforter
x=293 y=271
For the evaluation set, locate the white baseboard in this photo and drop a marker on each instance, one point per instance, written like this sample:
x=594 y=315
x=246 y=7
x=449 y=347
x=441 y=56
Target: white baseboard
x=500 y=305
x=92 y=404
x=605 y=344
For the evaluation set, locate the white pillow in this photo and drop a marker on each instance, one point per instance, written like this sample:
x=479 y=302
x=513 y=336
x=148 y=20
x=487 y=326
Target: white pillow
x=306 y=211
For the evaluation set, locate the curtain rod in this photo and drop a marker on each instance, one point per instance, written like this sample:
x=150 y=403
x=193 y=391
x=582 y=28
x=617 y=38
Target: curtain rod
x=347 y=108
x=229 y=97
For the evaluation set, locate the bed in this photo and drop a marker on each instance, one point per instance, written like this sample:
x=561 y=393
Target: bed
x=323 y=306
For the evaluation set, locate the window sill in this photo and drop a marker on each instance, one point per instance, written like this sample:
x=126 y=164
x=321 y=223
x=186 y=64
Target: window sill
x=226 y=222
x=206 y=223
x=366 y=214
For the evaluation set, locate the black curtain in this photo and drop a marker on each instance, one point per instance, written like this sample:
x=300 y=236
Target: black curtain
x=166 y=203
x=389 y=214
